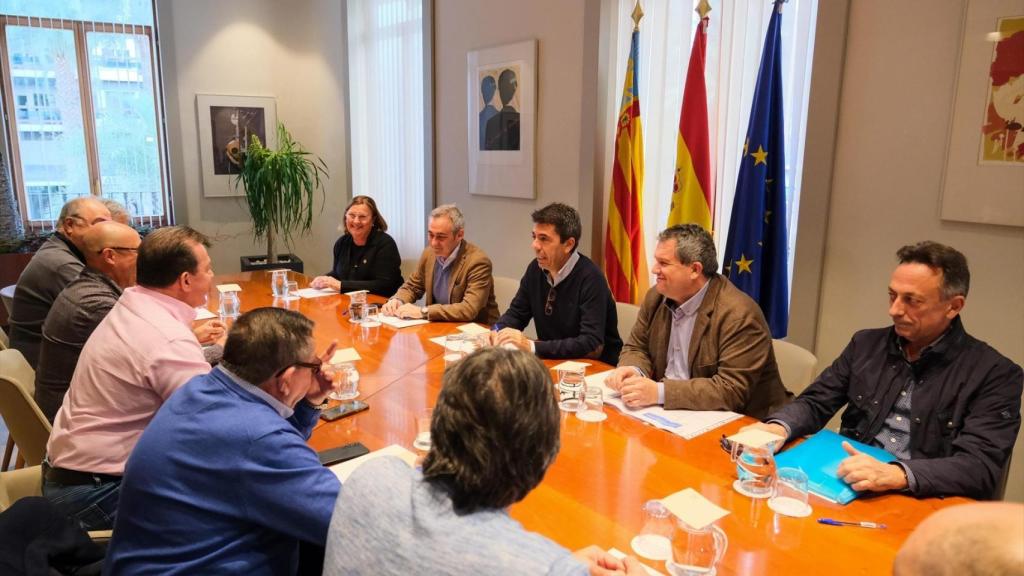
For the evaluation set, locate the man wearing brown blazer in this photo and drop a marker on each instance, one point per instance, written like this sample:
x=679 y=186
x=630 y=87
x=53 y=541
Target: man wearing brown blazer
x=699 y=343
x=453 y=276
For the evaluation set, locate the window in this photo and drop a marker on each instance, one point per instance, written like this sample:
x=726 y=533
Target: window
x=82 y=80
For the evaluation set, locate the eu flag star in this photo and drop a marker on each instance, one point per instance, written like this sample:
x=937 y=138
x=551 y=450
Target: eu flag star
x=760 y=156
x=743 y=265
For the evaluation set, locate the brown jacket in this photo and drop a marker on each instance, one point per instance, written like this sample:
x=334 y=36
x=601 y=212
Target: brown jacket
x=471 y=287
x=732 y=364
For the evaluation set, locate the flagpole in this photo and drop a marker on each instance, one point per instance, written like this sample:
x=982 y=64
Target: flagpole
x=638 y=13
x=702 y=10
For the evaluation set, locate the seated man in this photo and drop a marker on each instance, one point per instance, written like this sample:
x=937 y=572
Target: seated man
x=453 y=276
x=452 y=517
x=57 y=262
x=565 y=294
x=136 y=358
x=222 y=481
x=977 y=539
x=699 y=342
x=945 y=404
x=110 y=254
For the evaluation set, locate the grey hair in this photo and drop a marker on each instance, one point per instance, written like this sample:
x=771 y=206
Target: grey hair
x=693 y=244
x=116 y=209
x=72 y=209
x=452 y=212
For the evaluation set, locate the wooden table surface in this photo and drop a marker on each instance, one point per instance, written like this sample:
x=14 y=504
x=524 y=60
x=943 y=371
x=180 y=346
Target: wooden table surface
x=594 y=491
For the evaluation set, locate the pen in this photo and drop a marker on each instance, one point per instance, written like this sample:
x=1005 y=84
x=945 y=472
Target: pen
x=831 y=522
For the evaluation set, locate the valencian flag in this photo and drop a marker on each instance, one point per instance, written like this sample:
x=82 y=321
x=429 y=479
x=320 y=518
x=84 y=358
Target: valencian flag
x=624 y=260
x=755 y=253
x=691 y=191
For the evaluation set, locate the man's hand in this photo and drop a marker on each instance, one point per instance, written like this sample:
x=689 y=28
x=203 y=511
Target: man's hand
x=602 y=563
x=616 y=377
x=513 y=337
x=321 y=282
x=409 y=311
x=323 y=383
x=390 y=307
x=862 y=472
x=777 y=429
x=210 y=332
x=638 y=391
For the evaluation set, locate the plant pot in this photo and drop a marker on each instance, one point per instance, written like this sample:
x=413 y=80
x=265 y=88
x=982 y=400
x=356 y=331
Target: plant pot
x=284 y=261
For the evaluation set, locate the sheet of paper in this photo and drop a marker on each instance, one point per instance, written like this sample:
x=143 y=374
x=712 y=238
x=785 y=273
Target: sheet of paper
x=204 y=314
x=620 y=555
x=755 y=438
x=693 y=508
x=229 y=288
x=313 y=292
x=345 y=469
x=686 y=423
x=571 y=365
x=396 y=322
x=345 y=355
x=473 y=328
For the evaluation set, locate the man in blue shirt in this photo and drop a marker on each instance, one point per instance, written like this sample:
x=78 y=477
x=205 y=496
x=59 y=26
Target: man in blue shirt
x=222 y=480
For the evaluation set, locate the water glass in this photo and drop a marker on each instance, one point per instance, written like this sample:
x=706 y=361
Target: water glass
x=357 y=306
x=371 y=316
x=654 y=541
x=279 y=283
x=230 y=306
x=456 y=347
x=789 y=496
x=594 y=399
x=346 y=381
x=291 y=287
x=423 y=419
x=755 y=469
x=571 y=384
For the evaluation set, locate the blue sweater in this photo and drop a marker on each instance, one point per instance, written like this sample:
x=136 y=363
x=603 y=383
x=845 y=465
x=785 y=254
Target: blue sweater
x=220 y=483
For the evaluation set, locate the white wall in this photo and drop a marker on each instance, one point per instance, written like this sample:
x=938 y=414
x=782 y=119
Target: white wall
x=293 y=51
x=894 y=115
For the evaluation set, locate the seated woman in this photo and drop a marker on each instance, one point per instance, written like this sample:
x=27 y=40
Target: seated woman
x=494 y=432
x=365 y=257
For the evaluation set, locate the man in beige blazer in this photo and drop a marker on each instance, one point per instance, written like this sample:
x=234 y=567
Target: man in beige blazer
x=699 y=343
x=453 y=276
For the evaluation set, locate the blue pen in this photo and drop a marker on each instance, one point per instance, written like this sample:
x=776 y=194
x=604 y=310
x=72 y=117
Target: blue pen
x=831 y=522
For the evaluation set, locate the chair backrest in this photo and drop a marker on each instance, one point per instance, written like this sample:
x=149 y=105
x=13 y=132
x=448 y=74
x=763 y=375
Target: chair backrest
x=7 y=296
x=505 y=289
x=796 y=365
x=18 y=484
x=5 y=341
x=409 y=266
x=28 y=426
x=627 y=314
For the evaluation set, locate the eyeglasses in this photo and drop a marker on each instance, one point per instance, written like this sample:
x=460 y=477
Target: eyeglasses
x=314 y=367
x=549 y=304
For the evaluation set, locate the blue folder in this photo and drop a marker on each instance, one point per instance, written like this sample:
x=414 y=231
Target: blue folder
x=819 y=457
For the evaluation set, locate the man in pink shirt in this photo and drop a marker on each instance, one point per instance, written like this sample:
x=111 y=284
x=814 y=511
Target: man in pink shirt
x=136 y=358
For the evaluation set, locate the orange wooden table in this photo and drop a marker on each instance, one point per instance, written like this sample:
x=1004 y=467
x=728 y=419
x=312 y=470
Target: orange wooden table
x=593 y=492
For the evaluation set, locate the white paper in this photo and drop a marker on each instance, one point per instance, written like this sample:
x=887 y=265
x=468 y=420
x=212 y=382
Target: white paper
x=686 y=423
x=344 y=355
x=472 y=329
x=229 y=288
x=204 y=314
x=396 y=322
x=620 y=555
x=693 y=508
x=313 y=292
x=571 y=365
x=345 y=469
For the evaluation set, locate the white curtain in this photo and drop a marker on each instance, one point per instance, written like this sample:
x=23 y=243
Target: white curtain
x=386 y=106
x=735 y=40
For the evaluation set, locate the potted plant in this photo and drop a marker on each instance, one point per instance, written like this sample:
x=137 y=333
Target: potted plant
x=279 y=188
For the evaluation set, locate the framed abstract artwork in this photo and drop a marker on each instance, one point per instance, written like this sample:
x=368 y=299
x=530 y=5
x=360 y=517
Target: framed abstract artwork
x=226 y=127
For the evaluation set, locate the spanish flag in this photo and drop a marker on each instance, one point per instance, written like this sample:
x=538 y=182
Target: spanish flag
x=691 y=192
x=624 y=260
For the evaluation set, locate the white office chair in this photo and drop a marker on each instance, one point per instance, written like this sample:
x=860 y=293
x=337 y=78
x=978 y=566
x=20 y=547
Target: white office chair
x=796 y=365
x=505 y=289
x=409 y=266
x=627 y=314
x=7 y=296
x=28 y=427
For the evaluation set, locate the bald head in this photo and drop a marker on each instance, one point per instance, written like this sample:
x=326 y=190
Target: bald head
x=78 y=215
x=112 y=248
x=981 y=538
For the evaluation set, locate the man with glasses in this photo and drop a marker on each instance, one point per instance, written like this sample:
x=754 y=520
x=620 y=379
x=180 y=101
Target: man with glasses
x=142 y=351
x=57 y=262
x=222 y=481
x=564 y=293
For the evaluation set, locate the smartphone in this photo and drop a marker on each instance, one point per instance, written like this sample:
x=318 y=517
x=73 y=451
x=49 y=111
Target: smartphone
x=346 y=409
x=333 y=456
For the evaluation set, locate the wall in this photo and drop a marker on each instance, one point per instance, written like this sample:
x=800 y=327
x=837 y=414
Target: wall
x=290 y=50
x=565 y=111
x=896 y=102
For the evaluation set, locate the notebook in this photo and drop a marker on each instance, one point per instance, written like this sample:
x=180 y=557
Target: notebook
x=819 y=457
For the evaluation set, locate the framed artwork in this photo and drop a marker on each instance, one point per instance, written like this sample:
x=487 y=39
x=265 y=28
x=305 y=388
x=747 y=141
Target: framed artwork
x=984 y=177
x=226 y=127
x=501 y=120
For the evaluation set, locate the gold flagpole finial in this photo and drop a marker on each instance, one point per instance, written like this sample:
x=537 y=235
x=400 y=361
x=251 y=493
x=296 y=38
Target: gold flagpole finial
x=703 y=8
x=638 y=13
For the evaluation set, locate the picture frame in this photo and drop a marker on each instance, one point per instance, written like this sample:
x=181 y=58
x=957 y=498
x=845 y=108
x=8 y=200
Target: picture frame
x=226 y=124
x=501 y=120
x=979 y=185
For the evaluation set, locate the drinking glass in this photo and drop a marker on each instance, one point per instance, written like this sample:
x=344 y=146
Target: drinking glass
x=755 y=468
x=278 y=283
x=696 y=551
x=346 y=381
x=356 y=307
x=230 y=306
x=570 y=389
x=655 y=538
x=422 y=441
x=291 y=287
x=593 y=405
x=455 y=349
x=789 y=496
x=371 y=316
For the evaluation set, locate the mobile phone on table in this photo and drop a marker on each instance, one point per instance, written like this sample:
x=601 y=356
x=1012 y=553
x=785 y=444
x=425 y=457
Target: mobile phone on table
x=342 y=410
x=333 y=456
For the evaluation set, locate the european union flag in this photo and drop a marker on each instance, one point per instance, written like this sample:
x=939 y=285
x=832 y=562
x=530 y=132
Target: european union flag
x=755 y=252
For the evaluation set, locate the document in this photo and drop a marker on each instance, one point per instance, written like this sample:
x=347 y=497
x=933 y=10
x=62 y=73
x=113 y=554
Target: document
x=620 y=555
x=345 y=469
x=396 y=322
x=203 y=314
x=686 y=423
x=313 y=292
x=473 y=329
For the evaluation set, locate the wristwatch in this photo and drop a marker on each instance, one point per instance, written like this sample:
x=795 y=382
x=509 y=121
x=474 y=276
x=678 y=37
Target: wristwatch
x=319 y=406
x=423 y=312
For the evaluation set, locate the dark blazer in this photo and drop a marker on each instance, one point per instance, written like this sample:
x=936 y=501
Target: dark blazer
x=379 y=272
x=470 y=288
x=732 y=364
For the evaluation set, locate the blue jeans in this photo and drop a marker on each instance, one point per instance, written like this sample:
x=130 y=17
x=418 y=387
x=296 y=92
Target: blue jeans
x=94 y=506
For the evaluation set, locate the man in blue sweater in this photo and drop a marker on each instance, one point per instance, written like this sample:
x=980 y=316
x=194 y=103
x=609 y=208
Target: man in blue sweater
x=565 y=294
x=222 y=481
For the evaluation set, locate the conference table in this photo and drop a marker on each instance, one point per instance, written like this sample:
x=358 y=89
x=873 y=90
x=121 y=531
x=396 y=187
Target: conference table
x=594 y=491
